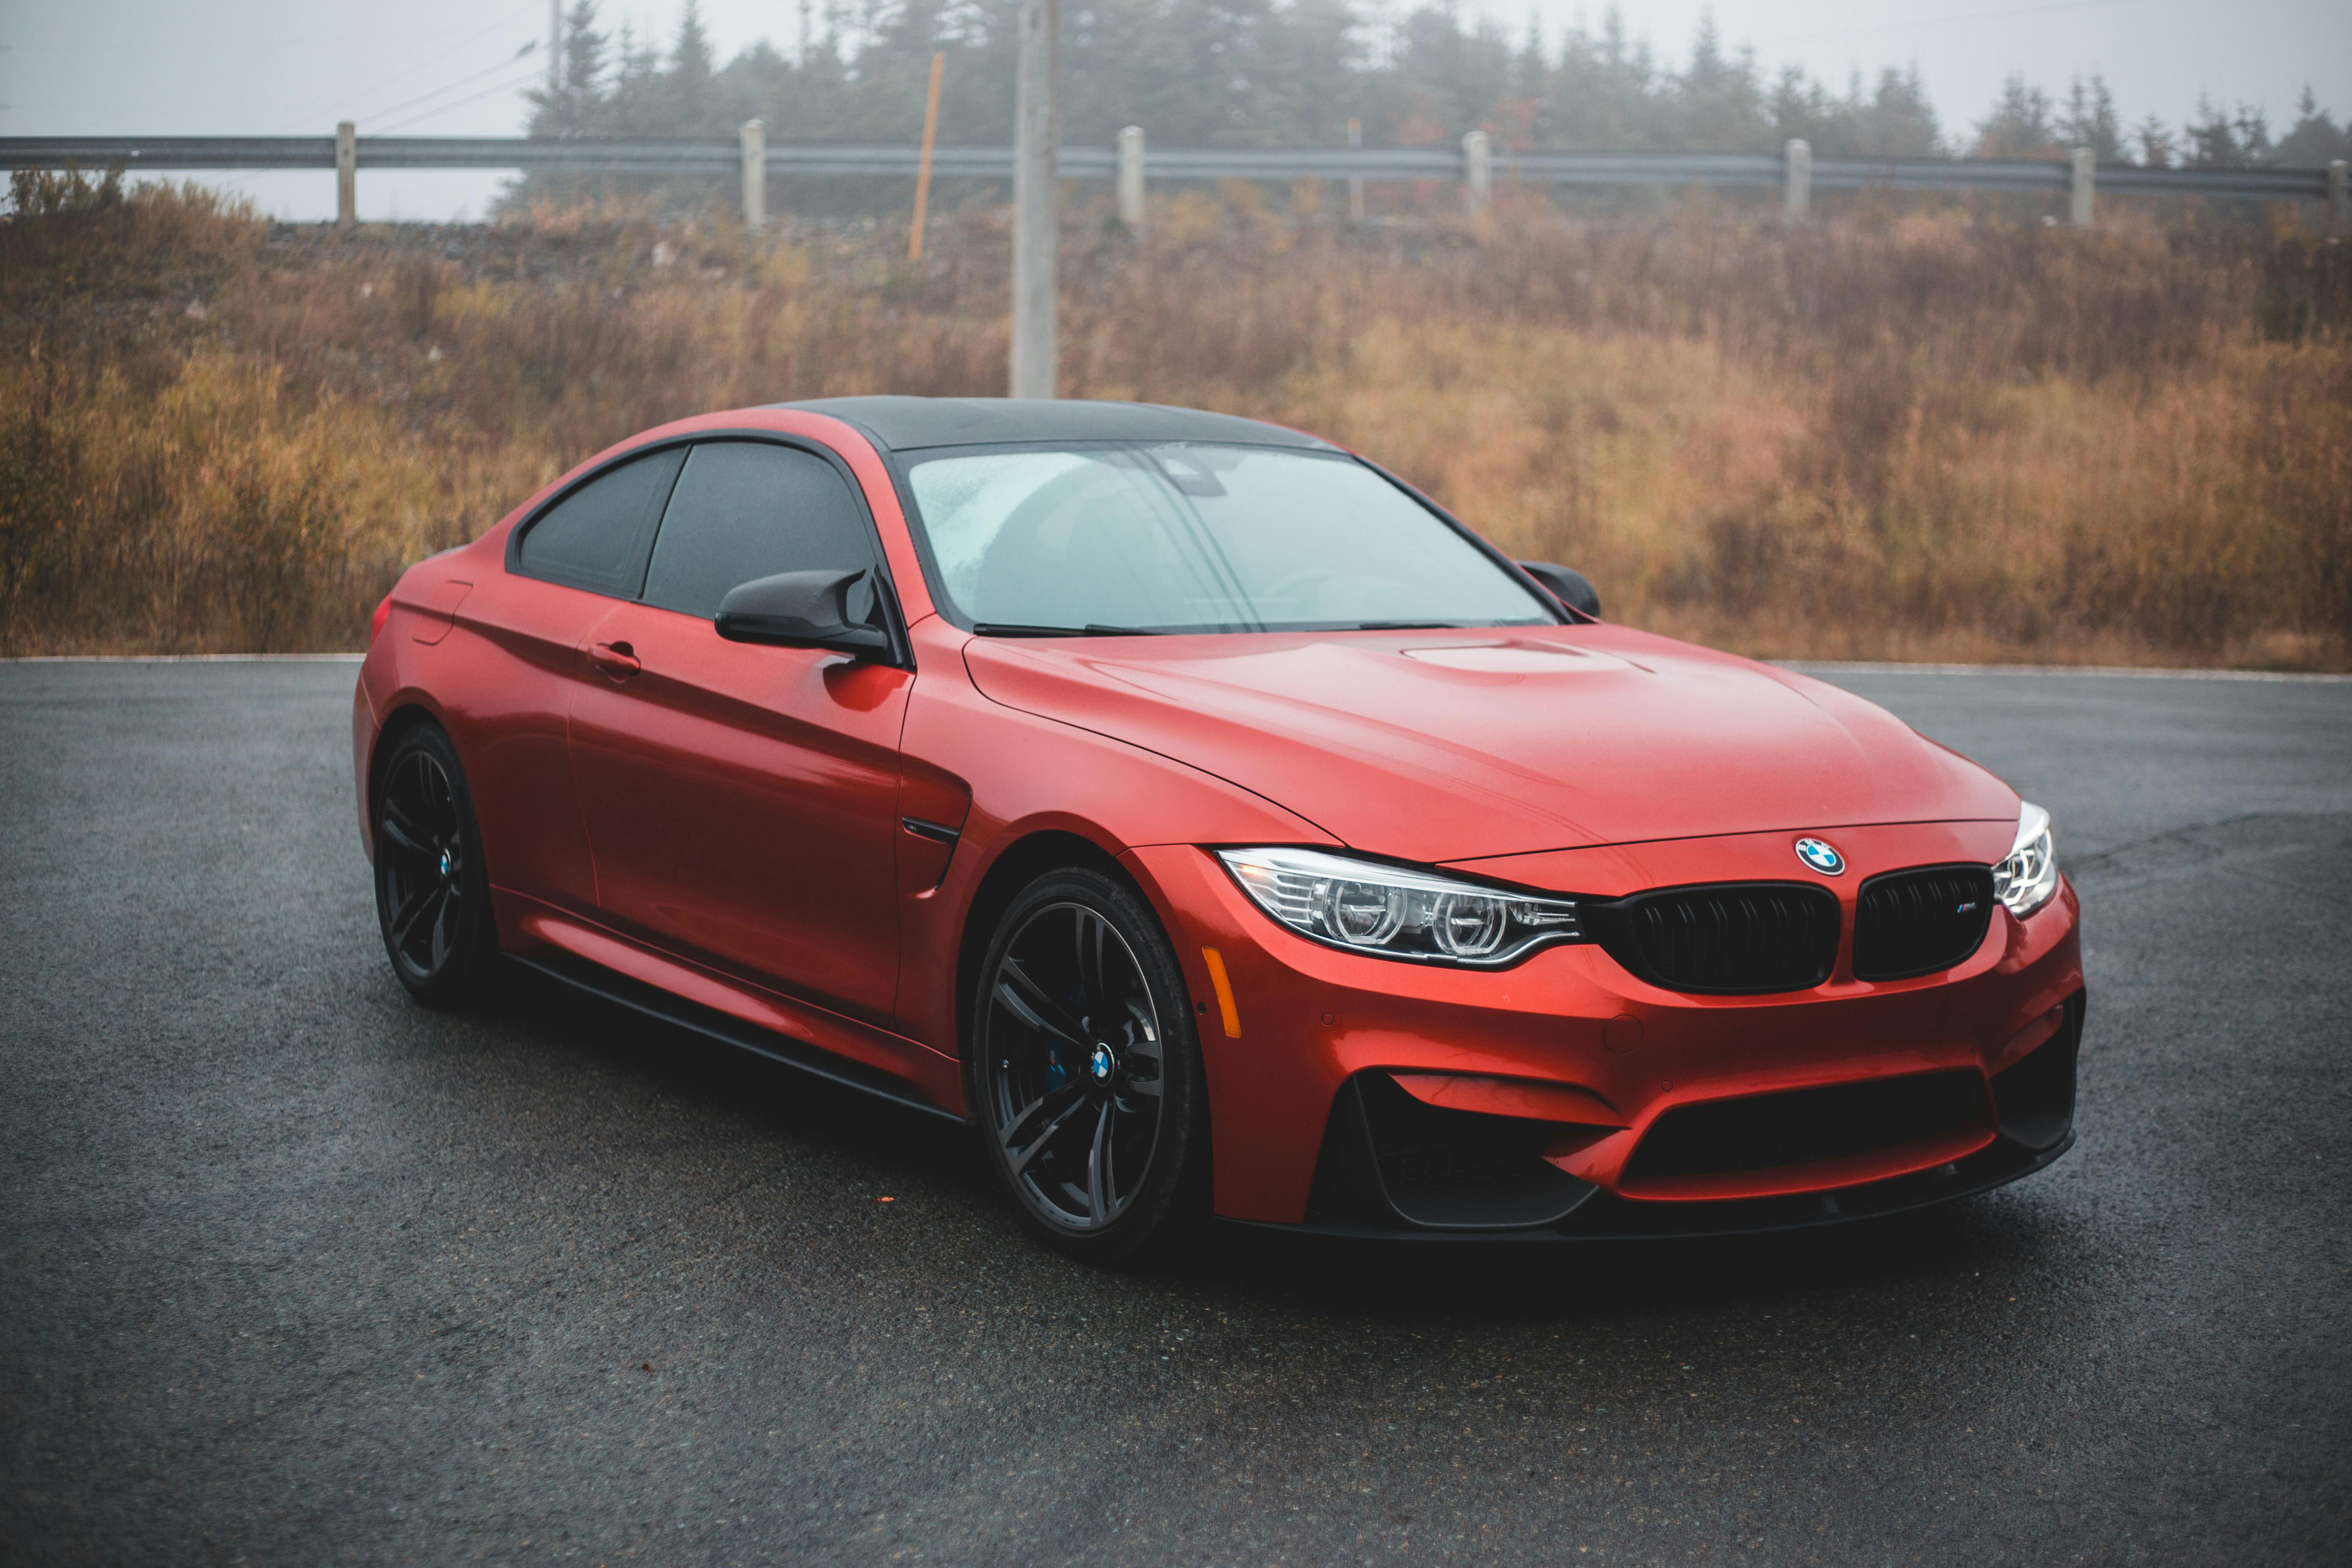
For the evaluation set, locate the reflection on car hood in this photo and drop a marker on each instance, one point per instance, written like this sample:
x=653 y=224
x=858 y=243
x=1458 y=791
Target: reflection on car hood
x=1434 y=746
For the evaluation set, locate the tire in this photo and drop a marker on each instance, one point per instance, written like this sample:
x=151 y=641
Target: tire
x=1084 y=1072
x=432 y=885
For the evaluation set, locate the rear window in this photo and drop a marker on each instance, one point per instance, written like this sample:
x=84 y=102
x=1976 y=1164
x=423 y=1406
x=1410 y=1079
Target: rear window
x=595 y=538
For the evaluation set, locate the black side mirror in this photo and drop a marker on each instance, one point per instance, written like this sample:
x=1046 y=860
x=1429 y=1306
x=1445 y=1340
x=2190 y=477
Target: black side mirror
x=1570 y=587
x=829 y=609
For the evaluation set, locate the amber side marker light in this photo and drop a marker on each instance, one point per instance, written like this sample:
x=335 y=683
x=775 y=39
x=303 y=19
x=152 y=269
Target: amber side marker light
x=1224 y=988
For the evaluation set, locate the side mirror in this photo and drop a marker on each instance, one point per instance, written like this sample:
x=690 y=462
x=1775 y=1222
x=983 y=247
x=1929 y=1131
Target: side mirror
x=1570 y=587
x=828 y=609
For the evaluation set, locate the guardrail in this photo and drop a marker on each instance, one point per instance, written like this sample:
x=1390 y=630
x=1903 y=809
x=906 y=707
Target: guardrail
x=1474 y=163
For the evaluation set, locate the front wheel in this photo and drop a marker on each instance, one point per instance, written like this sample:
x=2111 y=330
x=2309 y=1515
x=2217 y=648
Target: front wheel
x=1086 y=1072
x=432 y=891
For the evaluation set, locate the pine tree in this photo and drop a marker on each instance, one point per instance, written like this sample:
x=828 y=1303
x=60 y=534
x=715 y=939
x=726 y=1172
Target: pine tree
x=2090 y=121
x=2019 y=125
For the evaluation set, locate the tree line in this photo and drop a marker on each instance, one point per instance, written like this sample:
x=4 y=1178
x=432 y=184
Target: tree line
x=1296 y=73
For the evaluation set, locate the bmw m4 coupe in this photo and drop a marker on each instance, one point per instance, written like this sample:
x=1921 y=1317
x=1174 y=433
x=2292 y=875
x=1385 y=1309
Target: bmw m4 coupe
x=1216 y=825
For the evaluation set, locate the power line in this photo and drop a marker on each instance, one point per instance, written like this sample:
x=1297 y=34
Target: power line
x=409 y=70
x=461 y=81
x=523 y=80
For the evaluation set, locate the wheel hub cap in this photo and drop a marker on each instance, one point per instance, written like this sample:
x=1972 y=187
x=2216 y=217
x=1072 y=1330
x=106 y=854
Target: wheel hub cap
x=448 y=866
x=1101 y=1063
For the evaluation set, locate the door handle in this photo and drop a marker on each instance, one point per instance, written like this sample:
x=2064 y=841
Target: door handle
x=617 y=660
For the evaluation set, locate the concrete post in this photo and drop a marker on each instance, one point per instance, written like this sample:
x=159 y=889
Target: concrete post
x=1797 y=182
x=2339 y=196
x=1355 y=182
x=347 y=175
x=1477 y=175
x=2085 y=175
x=1036 y=191
x=755 y=174
x=1130 y=177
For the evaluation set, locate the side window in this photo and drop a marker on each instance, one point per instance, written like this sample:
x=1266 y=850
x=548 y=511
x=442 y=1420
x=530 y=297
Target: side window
x=744 y=509
x=596 y=537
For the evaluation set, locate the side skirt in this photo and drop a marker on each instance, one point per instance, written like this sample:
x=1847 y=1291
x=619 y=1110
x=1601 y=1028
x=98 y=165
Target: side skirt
x=603 y=983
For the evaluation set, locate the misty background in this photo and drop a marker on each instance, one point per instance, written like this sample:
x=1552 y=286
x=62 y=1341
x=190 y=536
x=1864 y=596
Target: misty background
x=2150 y=80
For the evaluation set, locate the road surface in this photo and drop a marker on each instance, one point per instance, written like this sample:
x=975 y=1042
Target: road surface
x=294 y=1272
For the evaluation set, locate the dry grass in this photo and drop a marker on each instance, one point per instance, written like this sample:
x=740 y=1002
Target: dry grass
x=1904 y=435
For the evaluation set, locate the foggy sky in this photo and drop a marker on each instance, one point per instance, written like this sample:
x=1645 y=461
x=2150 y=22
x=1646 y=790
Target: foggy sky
x=275 y=67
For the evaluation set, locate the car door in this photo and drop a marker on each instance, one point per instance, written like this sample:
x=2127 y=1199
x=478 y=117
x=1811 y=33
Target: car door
x=741 y=798
x=567 y=563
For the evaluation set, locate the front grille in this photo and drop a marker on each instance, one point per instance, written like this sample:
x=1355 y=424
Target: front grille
x=1765 y=1131
x=1728 y=938
x=1920 y=921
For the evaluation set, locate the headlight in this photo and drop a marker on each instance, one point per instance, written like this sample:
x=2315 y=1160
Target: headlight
x=2025 y=881
x=1393 y=912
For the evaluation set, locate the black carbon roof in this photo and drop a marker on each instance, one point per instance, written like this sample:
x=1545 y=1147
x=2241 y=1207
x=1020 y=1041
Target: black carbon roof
x=904 y=424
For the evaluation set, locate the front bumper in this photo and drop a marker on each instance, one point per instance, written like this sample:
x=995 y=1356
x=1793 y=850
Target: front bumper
x=1580 y=1060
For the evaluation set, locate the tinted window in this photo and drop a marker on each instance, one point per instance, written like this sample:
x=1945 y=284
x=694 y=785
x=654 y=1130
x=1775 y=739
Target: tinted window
x=745 y=509
x=596 y=537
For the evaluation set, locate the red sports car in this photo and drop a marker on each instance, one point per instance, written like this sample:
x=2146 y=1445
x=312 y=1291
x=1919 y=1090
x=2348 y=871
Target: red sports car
x=1218 y=826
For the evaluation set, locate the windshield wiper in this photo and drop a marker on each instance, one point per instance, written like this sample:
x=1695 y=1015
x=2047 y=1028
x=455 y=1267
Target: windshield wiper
x=1407 y=626
x=1091 y=629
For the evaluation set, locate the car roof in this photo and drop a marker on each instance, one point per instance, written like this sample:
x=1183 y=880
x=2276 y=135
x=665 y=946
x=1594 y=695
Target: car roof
x=906 y=424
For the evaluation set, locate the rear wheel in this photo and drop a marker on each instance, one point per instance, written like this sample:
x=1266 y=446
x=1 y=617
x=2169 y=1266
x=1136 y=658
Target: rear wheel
x=432 y=889
x=1085 y=1070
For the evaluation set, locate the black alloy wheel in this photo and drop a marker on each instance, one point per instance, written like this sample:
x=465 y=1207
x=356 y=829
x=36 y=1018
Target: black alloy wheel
x=1086 y=1072
x=432 y=892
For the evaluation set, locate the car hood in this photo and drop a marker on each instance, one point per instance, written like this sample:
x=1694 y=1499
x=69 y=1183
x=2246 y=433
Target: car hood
x=1433 y=746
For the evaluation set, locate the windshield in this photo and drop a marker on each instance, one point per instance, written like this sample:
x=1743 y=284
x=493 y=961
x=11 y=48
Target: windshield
x=1185 y=537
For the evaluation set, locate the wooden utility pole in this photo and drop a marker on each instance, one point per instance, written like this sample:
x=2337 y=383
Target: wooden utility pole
x=554 y=47
x=1036 y=191
x=923 y=170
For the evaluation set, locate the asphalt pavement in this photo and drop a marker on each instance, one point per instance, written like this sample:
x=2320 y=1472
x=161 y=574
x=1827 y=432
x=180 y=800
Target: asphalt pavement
x=292 y=1271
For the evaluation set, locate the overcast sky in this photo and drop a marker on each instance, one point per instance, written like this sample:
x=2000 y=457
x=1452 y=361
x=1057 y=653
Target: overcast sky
x=450 y=66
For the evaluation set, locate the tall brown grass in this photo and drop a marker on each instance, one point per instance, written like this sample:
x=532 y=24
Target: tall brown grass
x=1909 y=433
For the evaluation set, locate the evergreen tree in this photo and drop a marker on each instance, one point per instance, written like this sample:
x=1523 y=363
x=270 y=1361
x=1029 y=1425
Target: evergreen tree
x=2090 y=121
x=2019 y=125
x=1276 y=73
x=575 y=106
x=2315 y=140
x=689 y=81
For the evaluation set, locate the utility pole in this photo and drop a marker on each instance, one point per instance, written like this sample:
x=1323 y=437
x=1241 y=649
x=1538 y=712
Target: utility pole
x=554 y=47
x=1036 y=191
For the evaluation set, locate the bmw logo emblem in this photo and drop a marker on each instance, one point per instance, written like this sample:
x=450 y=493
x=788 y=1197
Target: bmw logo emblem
x=1820 y=857
x=1100 y=1063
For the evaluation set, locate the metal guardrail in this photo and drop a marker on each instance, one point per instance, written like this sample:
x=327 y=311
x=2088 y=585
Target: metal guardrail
x=810 y=158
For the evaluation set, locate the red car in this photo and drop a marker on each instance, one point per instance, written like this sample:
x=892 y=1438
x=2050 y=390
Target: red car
x=1217 y=825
